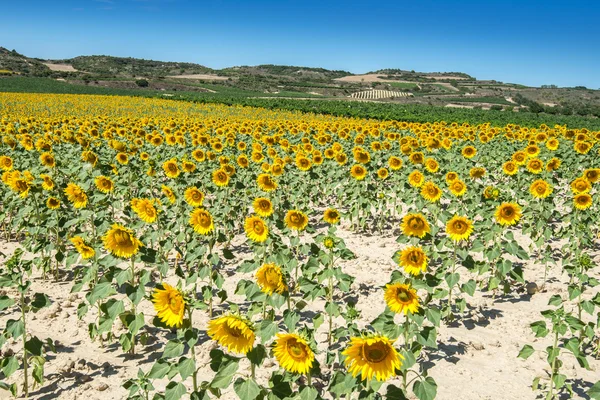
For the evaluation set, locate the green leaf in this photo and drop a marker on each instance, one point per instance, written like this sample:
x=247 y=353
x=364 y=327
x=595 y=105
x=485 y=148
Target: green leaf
x=100 y=291
x=555 y=301
x=173 y=349
x=38 y=368
x=290 y=319
x=10 y=365
x=308 y=393
x=469 y=287
x=526 y=352
x=174 y=391
x=257 y=354
x=539 y=328
x=40 y=301
x=5 y=302
x=425 y=389
x=266 y=330
x=224 y=376
x=34 y=346
x=246 y=389
x=574 y=322
x=186 y=367
x=594 y=391
x=159 y=369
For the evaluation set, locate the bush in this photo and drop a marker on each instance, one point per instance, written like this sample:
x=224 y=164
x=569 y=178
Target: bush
x=141 y=83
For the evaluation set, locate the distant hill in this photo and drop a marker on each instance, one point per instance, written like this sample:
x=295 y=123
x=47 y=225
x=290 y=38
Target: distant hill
x=286 y=70
x=19 y=64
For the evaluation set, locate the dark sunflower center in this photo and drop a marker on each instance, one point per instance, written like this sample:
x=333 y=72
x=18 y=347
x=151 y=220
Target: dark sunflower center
x=297 y=350
x=258 y=227
x=403 y=296
x=375 y=353
x=122 y=238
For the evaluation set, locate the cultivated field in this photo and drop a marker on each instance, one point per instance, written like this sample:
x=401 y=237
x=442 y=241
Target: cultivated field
x=162 y=249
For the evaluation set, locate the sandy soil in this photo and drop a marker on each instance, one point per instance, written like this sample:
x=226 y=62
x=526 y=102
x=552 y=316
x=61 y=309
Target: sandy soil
x=60 y=67
x=476 y=359
x=200 y=76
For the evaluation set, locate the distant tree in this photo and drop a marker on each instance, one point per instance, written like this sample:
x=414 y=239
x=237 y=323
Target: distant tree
x=141 y=83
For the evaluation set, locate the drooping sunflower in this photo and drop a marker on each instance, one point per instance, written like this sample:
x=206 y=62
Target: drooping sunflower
x=76 y=195
x=358 y=172
x=48 y=183
x=580 y=185
x=477 y=172
x=540 y=189
x=431 y=192
x=416 y=179
x=582 y=201
x=270 y=279
x=451 y=177
x=256 y=229
x=170 y=305
x=232 y=332
x=331 y=216
x=414 y=260
x=508 y=214
x=372 y=356
x=459 y=228
x=266 y=183
x=104 y=184
x=296 y=220
x=202 y=221
x=415 y=225
x=82 y=248
x=171 y=169
x=145 y=209
x=458 y=188
x=220 y=177
x=401 y=298
x=89 y=157
x=53 y=203
x=121 y=241
x=490 y=192
x=469 y=151
x=293 y=353
x=193 y=196
x=262 y=206
x=553 y=164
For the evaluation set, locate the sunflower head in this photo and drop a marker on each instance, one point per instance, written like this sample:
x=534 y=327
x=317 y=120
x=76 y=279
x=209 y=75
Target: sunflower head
x=266 y=183
x=104 y=184
x=401 y=298
x=415 y=225
x=233 y=332
x=582 y=201
x=431 y=192
x=395 y=163
x=358 y=172
x=296 y=220
x=510 y=168
x=540 y=189
x=169 y=304
x=53 y=203
x=293 y=353
x=82 y=248
x=508 y=214
x=256 y=229
x=416 y=179
x=459 y=228
x=413 y=259
x=372 y=356
x=121 y=241
x=76 y=195
x=331 y=216
x=193 y=196
x=144 y=209
x=202 y=221
x=171 y=169
x=47 y=160
x=469 y=152
x=458 y=188
x=581 y=185
x=220 y=177
x=383 y=173
x=270 y=279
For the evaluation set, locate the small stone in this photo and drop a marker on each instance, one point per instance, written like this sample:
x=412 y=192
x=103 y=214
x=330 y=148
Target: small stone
x=532 y=288
x=102 y=387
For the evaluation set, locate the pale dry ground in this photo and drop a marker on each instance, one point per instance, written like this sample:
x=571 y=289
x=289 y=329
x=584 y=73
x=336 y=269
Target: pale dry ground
x=60 y=67
x=200 y=76
x=477 y=357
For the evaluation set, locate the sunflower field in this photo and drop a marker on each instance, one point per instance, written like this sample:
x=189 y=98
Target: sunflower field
x=220 y=250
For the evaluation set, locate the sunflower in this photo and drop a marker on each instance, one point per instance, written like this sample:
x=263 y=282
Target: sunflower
x=469 y=152
x=417 y=158
x=383 y=173
x=169 y=194
x=416 y=179
x=459 y=228
x=303 y=163
x=477 y=172
x=401 y=298
x=122 y=158
x=490 y=192
x=520 y=157
x=48 y=183
x=395 y=163
x=295 y=219
x=145 y=209
x=540 y=189
x=188 y=166
x=270 y=279
x=47 y=160
x=262 y=206
x=508 y=214
x=331 y=216
x=582 y=147
x=552 y=144
x=582 y=201
x=21 y=186
x=121 y=241
x=201 y=221
x=553 y=164
x=510 y=168
x=193 y=196
x=6 y=163
x=415 y=225
x=171 y=169
x=413 y=260
x=431 y=192
x=532 y=150
x=266 y=183
x=580 y=185
x=358 y=172
x=535 y=166
x=169 y=305
x=220 y=178
x=458 y=188
x=293 y=353
x=76 y=195
x=104 y=184
x=53 y=203
x=592 y=174
x=372 y=356
x=232 y=332
x=82 y=248
x=256 y=229
x=451 y=177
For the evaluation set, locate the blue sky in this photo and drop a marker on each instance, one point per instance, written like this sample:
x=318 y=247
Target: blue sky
x=529 y=42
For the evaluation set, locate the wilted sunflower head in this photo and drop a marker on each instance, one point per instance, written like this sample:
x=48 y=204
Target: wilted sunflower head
x=401 y=298
x=508 y=214
x=415 y=225
x=293 y=353
x=459 y=228
x=76 y=195
x=121 y=241
x=372 y=356
x=169 y=304
x=233 y=332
